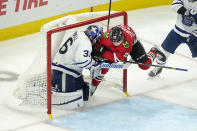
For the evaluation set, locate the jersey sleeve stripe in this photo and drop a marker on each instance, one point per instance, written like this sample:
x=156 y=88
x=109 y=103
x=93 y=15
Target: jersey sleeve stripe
x=87 y=64
x=194 y=33
x=182 y=31
x=78 y=63
x=177 y=3
x=66 y=68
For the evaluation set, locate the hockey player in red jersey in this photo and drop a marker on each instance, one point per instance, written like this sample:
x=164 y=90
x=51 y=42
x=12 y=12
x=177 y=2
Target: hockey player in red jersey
x=115 y=45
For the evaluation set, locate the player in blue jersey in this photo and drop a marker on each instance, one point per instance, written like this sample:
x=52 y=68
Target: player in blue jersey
x=185 y=31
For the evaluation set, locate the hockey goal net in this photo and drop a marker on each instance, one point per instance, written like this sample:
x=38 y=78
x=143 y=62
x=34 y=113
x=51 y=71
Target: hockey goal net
x=34 y=85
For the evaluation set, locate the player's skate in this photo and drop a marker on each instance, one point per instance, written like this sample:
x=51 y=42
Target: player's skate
x=155 y=72
x=161 y=60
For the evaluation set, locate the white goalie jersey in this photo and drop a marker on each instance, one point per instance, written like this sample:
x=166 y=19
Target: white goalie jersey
x=183 y=26
x=74 y=54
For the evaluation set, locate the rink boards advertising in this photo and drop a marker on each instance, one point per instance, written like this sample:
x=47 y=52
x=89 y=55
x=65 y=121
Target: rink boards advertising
x=27 y=16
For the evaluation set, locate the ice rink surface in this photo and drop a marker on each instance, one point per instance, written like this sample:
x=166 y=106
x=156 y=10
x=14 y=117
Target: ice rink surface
x=167 y=103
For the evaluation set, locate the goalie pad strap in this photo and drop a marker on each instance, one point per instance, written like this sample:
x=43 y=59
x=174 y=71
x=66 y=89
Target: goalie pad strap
x=67 y=101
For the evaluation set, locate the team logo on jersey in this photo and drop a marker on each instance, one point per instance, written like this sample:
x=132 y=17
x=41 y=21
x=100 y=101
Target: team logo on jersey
x=106 y=35
x=126 y=44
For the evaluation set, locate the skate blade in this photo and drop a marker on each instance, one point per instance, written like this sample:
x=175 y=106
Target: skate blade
x=153 y=78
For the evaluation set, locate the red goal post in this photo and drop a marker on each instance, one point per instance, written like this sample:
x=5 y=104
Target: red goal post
x=67 y=27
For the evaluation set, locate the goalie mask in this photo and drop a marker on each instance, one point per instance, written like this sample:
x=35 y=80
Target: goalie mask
x=94 y=33
x=116 y=36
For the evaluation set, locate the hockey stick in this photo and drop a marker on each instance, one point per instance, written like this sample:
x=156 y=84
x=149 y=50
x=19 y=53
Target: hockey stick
x=109 y=15
x=166 y=67
x=126 y=64
x=117 y=65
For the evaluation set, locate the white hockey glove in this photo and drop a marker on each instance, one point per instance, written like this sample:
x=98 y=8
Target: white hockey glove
x=95 y=70
x=192 y=39
x=193 y=14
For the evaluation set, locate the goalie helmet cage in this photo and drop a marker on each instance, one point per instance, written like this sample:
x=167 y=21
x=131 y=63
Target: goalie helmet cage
x=67 y=27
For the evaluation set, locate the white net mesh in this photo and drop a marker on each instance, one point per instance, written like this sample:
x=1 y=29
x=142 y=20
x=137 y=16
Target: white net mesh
x=31 y=87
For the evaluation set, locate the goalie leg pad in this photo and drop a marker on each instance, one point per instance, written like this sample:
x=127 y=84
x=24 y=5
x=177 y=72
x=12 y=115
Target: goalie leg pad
x=66 y=83
x=67 y=101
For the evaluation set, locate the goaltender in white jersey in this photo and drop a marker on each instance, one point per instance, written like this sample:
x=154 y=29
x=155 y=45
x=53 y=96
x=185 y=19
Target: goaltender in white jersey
x=74 y=54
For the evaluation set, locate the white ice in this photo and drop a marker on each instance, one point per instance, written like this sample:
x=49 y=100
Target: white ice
x=152 y=25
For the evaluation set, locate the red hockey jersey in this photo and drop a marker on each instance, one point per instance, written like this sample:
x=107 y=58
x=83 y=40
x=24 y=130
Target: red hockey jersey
x=118 y=53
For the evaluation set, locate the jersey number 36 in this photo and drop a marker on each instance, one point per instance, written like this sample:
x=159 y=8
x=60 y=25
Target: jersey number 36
x=64 y=47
